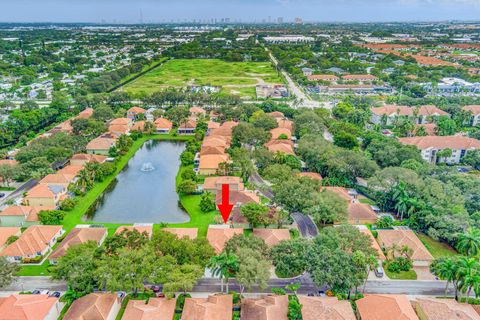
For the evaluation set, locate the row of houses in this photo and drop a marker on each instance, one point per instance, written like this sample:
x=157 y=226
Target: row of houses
x=361 y=78
x=107 y=306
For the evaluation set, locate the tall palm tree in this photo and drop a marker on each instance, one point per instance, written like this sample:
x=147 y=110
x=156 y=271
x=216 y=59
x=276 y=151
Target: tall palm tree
x=401 y=197
x=223 y=265
x=469 y=242
x=446 y=269
x=469 y=274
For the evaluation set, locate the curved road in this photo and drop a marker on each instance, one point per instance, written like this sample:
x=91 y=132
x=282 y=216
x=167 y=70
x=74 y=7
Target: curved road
x=305 y=224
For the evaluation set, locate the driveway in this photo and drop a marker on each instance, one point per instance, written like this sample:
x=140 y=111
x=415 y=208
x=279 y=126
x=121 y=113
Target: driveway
x=423 y=273
x=305 y=224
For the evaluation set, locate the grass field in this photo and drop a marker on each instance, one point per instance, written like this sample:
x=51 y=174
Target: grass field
x=237 y=78
x=437 y=249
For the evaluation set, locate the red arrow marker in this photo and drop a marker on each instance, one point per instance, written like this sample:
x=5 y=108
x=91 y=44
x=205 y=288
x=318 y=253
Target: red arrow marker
x=225 y=207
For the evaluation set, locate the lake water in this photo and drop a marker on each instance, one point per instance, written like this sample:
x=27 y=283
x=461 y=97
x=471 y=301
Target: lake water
x=144 y=192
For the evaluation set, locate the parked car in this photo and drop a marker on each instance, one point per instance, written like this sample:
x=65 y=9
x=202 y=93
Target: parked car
x=2 y=195
x=55 y=294
x=379 y=272
x=155 y=288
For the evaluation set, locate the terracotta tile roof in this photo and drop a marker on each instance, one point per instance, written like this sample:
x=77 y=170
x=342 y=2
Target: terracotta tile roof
x=212 y=161
x=285 y=146
x=34 y=239
x=284 y=123
x=382 y=46
x=121 y=121
x=93 y=306
x=277 y=132
x=474 y=109
x=361 y=212
x=189 y=124
x=205 y=150
x=267 y=308
x=197 y=110
x=89 y=157
x=71 y=170
x=29 y=212
x=7 y=232
x=359 y=77
x=445 y=142
x=27 y=307
x=222 y=132
x=155 y=309
x=217 y=237
x=217 y=182
x=213 y=125
x=216 y=307
x=427 y=110
x=141 y=229
x=342 y=192
x=276 y=115
x=445 y=309
x=430 y=129
x=139 y=126
x=101 y=143
x=162 y=123
x=374 y=243
x=78 y=236
x=119 y=128
x=386 y=238
x=136 y=110
x=41 y=191
x=85 y=114
x=323 y=77
x=326 y=308
x=272 y=237
x=183 y=232
x=238 y=198
x=229 y=124
x=311 y=175
x=54 y=178
x=431 y=61
x=215 y=142
x=383 y=306
x=8 y=162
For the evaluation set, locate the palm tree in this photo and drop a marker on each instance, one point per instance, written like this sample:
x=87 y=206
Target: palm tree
x=406 y=251
x=469 y=243
x=223 y=265
x=446 y=269
x=469 y=275
x=401 y=197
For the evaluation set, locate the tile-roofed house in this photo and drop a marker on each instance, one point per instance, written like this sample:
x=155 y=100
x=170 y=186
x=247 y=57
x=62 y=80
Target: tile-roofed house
x=30 y=307
x=385 y=306
x=283 y=146
x=341 y=191
x=134 y=111
x=34 y=242
x=238 y=198
x=277 y=132
x=190 y=233
x=197 y=112
x=276 y=115
x=390 y=112
x=215 y=141
x=323 y=77
x=326 y=308
x=215 y=307
x=218 y=236
x=430 y=129
x=272 y=237
x=139 y=126
x=431 y=61
x=44 y=195
x=212 y=150
x=21 y=216
x=75 y=237
x=85 y=114
x=101 y=145
x=95 y=306
x=7 y=232
x=229 y=124
x=211 y=125
x=444 y=309
x=429 y=147
x=119 y=129
x=163 y=125
x=404 y=237
x=81 y=159
x=187 y=127
x=285 y=123
x=8 y=162
x=58 y=179
x=71 y=170
x=121 y=122
x=140 y=228
x=359 y=77
x=213 y=184
x=272 y=307
x=311 y=175
x=361 y=213
x=368 y=233
x=155 y=309
x=210 y=163
x=475 y=111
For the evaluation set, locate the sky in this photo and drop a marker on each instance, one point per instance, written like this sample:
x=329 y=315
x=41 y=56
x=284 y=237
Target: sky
x=157 y=11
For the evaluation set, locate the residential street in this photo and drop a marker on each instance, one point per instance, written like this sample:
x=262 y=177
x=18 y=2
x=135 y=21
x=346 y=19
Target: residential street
x=307 y=227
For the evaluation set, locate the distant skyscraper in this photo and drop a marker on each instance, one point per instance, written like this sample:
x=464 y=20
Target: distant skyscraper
x=280 y=20
x=298 y=20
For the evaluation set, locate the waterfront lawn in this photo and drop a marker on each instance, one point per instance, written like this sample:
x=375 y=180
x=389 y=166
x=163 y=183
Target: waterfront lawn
x=436 y=248
x=236 y=77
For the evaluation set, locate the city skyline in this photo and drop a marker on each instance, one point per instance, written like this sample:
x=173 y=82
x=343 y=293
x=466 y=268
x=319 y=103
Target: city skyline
x=151 y=11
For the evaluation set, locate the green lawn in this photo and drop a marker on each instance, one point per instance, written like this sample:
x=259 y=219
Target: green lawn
x=436 y=248
x=237 y=78
x=402 y=275
x=191 y=203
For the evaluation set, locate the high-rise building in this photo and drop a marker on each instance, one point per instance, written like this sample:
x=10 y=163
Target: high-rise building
x=298 y=20
x=280 y=20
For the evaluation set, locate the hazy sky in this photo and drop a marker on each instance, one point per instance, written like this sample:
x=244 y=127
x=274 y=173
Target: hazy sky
x=247 y=10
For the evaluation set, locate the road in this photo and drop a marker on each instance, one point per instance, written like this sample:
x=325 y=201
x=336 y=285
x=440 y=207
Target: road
x=266 y=190
x=20 y=190
x=307 y=227
x=409 y=287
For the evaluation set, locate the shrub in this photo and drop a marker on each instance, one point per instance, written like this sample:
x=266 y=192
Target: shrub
x=189 y=175
x=207 y=203
x=187 y=187
x=181 y=300
x=399 y=264
x=384 y=222
x=11 y=240
x=68 y=204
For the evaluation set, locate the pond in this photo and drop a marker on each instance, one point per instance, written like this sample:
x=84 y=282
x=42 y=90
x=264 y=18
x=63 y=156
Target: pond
x=144 y=192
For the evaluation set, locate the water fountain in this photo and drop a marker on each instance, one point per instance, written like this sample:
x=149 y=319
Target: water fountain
x=147 y=166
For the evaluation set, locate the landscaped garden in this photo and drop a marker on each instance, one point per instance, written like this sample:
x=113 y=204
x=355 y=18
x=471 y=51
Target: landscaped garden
x=238 y=78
